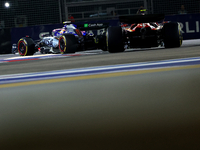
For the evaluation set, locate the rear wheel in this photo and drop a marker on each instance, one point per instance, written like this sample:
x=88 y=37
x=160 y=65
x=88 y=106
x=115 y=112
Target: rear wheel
x=114 y=39
x=172 y=35
x=68 y=44
x=26 y=46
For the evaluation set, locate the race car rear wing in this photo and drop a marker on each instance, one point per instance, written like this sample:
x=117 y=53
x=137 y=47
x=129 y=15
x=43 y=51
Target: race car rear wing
x=92 y=26
x=141 y=18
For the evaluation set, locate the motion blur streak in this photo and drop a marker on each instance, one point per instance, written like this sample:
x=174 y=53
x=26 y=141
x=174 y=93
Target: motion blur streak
x=149 y=111
x=106 y=75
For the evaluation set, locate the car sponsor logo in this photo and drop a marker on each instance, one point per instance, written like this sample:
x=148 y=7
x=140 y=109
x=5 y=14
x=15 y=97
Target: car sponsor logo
x=190 y=27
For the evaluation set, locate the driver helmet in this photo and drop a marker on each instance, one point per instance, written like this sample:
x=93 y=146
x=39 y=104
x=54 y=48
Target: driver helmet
x=142 y=11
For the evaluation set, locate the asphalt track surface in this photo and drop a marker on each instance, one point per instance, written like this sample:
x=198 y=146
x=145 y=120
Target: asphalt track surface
x=100 y=58
x=154 y=110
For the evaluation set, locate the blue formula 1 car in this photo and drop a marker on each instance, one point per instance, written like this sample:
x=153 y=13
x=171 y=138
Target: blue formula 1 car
x=68 y=39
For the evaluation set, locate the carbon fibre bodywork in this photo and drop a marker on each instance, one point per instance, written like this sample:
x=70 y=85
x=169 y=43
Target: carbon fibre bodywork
x=143 y=35
x=144 y=31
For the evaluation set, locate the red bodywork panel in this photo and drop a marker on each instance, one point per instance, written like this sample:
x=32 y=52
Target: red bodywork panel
x=133 y=27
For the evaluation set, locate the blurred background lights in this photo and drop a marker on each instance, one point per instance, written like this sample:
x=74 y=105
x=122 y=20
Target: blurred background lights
x=7 y=4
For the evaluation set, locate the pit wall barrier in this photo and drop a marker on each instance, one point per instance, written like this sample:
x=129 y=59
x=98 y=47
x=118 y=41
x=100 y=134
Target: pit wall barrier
x=5 y=41
x=189 y=25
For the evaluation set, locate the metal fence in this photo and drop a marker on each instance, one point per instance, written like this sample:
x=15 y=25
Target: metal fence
x=29 y=12
x=22 y=13
x=103 y=9
x=170 y=7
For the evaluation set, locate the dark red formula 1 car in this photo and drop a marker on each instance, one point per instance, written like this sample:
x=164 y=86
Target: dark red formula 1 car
x=143 y=31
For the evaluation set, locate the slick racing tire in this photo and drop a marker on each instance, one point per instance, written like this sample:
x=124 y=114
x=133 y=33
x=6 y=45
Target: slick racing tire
x=172 y=35
x=26 y=46
x=68 y=44
x=114 y=40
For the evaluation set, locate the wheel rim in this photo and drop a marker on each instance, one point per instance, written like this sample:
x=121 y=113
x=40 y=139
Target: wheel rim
x=107 y=40
x=180 y=37
x=62 y=44
x=22 y=48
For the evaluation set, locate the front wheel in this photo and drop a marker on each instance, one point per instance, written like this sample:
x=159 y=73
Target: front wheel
x=114 y=39
x=67 y=44
x=26 y=46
